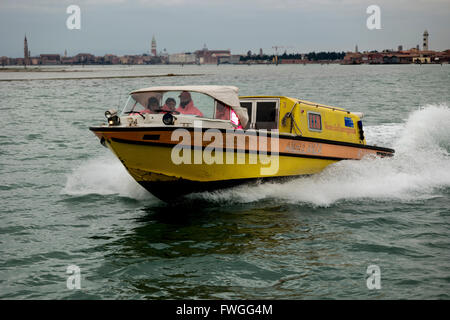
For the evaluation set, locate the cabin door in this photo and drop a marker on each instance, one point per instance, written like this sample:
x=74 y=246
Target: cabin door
x=262 y=113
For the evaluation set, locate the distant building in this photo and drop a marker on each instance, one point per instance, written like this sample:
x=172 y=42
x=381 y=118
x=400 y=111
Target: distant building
x=111 y=59
x=391 y=59
x=400 y=48
x=231 y=59
x=374 y=58
x=425 y=40
x=50 y=59
x=206 y=56
x=35 y=61
x=399 y=57
x=138 y=60
x=352 y=58
x=153 y=49
x=4 y=61
x=421 y=60
x=164 y=55
x=131 y=59
x=183 y=58
x=67 y=60
x=125 y=60
x=442 y=57
x=84 y=58
x=26 y=52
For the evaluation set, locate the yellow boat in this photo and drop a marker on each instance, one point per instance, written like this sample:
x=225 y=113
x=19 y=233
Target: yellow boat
x=177 y=140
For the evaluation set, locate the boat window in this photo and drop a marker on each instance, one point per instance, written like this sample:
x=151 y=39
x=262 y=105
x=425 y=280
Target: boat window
x=184 y=102
x=314 y=121
x=266 y=115
x=193 y=103
x=132 y=106
x=248 y=106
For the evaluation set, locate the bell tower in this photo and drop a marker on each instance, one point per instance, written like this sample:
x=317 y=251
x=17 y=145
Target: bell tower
x=425 y=41
x=153 y=46
x=26 y=52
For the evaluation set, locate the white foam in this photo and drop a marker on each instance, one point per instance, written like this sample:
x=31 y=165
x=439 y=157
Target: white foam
x=104 y=175
x=420 y=167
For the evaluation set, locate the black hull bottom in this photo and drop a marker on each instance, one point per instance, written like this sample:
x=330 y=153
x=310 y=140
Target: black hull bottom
x=174 y=191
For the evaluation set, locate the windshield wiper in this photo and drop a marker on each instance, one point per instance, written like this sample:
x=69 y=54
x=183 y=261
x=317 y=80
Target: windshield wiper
x=138 y=112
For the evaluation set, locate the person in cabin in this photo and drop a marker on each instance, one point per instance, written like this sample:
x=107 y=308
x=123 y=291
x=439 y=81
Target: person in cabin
x=170 y=105
x=152 y=106
x=187 y=105
x=222 y=111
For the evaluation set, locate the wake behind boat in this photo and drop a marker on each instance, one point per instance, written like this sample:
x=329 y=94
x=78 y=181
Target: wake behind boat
x=176 y=140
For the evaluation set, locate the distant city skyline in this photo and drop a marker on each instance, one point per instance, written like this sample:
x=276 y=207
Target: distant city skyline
x=127 y=27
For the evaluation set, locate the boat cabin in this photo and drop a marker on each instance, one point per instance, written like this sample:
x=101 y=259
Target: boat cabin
x=300 y=117
x=221 y=107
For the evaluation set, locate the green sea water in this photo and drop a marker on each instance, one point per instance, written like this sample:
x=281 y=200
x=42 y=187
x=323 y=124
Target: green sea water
x=66 y=200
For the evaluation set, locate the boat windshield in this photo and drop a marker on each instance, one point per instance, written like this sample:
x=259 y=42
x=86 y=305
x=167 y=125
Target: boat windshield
x=178 y=102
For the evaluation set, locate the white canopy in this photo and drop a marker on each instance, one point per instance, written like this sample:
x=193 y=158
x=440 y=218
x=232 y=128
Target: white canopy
x=225 y=94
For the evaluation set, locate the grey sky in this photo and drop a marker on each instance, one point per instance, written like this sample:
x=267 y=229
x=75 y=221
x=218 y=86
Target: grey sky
x=126 y=26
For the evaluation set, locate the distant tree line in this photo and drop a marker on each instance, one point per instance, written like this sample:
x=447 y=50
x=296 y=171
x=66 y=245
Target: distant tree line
x=312 y=56
x=258 y=57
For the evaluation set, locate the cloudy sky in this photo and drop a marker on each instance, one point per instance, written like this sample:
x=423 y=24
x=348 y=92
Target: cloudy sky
x=127 y=26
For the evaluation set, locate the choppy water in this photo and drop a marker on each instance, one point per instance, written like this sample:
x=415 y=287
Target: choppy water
x=65 y=200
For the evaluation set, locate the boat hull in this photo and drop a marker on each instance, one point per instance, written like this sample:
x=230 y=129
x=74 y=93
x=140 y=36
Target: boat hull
x=219 y=160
